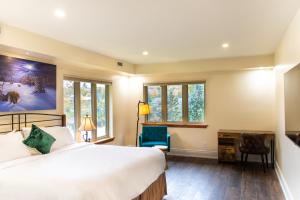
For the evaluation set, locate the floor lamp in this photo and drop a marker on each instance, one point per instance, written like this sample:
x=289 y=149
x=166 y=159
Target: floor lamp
x=143 y=109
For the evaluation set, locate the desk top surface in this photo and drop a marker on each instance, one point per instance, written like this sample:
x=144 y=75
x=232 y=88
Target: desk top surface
x=246 y=131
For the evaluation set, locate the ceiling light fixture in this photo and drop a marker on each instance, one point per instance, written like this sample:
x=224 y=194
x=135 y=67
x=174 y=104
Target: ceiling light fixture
x=225 y=45
x=145 y=53
x=59 y=13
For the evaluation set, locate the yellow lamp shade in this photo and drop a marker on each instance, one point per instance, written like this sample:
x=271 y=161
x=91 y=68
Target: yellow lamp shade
x=87 y=124
x=144 y=109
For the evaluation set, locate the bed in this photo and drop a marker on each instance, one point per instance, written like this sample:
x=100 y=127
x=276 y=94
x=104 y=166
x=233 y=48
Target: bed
x=81 y=171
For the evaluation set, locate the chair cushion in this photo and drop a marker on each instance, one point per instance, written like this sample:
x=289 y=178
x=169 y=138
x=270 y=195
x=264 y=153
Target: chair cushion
x=264 y=150
x=151 y=144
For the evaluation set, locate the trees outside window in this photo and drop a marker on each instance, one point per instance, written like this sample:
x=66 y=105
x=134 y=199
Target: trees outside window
x=69 y=104
x=196 y=102
x=176 y=103
x=154 y=100
x=90 y=98
x=101 y=110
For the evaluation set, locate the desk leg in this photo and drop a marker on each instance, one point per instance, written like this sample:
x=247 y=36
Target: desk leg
x=273 y=153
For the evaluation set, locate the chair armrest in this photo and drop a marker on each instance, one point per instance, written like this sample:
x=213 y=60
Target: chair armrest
x=140 y=139
x=169 y=141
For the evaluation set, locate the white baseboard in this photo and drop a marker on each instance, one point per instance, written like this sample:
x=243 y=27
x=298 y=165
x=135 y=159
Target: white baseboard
x=286 y=191
x=194 y=153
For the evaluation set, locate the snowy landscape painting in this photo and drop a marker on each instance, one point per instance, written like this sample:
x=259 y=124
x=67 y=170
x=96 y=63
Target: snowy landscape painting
x=26 y=85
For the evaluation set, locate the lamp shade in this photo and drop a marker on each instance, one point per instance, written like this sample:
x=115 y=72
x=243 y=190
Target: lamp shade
x=87 y=124
x=144 y=109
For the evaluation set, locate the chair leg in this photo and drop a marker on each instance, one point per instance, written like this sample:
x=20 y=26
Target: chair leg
x=242 y=159
x=246 y=160
x=267 y=162
x=263 y=162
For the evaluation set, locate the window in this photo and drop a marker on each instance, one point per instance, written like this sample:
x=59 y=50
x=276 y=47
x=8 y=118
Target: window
x=69 y=104
x=154 y=100
x=174 y=103
x=91 y=98
x=102 y=110
x=196 y=102
x=182 y=103
x=85 y=99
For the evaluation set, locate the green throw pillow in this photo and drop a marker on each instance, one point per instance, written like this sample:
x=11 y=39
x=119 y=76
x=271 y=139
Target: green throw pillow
x=39 y=140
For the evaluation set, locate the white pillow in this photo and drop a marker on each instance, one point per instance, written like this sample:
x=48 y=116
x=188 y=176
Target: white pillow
x=62 y=135
x=12 y=147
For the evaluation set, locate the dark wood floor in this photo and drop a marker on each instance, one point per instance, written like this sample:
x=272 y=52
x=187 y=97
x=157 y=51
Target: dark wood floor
x=203 y=179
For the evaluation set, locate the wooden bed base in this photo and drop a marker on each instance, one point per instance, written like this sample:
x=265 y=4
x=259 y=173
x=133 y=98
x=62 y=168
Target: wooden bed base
x=156 y=191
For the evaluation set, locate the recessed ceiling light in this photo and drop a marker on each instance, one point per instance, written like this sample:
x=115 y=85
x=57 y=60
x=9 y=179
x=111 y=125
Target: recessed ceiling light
x=59 y=13
x=145 y=53
x=225 y=45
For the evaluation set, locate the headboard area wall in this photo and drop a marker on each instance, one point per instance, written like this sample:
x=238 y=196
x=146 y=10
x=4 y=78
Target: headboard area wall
x=16 y=121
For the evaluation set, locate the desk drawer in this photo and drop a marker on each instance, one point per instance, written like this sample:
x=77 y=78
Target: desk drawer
x=227 y=153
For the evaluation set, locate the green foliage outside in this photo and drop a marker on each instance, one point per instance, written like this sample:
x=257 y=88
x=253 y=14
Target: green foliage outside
x=154 y=100
x=85 y=104
x=174 y=101
x=196 y=102
x=85 y=99
x=101 y=110
x=69 y=104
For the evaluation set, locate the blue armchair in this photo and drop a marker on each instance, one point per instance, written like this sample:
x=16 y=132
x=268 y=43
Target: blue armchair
x=154 y=135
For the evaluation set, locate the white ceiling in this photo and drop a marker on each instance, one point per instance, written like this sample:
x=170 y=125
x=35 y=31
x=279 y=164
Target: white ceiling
x=171 y=30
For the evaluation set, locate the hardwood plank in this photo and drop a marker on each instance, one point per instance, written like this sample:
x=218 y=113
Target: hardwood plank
x=204 y=179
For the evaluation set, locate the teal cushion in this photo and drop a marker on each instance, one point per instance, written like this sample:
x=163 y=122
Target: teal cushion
x=151 y=144
x=39 y=139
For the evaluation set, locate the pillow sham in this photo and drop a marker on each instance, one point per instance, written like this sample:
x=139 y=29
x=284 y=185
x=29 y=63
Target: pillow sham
x=11 y=147
x=62 y=135
x=39 y=140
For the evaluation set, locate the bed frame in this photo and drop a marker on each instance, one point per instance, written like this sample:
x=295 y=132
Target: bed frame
x=16 y=121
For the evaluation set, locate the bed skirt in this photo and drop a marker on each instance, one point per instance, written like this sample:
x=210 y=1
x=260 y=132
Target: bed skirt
x=156 y=191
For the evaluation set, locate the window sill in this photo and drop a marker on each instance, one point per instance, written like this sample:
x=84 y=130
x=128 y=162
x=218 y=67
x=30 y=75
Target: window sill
x=105 y=140
x=177 y=125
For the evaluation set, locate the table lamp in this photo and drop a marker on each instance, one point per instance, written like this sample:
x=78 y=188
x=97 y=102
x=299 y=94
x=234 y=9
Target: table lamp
x=87 y=125
x=143 y=109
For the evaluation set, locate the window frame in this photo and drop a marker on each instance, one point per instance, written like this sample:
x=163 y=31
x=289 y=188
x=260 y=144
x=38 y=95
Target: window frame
x=77 y=104
x=185 y=107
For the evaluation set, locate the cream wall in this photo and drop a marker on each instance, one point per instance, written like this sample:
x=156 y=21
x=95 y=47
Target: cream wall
x=207 y=65
x=242 y=99
x=12 y=38
x=286 y=57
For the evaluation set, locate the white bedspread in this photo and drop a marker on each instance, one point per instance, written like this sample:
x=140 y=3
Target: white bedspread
x=82 y=172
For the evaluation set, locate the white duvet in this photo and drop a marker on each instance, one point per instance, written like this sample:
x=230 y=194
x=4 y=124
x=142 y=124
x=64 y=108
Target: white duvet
x=82 y=172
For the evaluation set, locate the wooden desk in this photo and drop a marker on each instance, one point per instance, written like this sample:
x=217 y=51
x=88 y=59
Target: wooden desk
x=229 y=141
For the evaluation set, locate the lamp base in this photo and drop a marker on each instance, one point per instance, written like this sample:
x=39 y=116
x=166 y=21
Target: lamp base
x=86 y=137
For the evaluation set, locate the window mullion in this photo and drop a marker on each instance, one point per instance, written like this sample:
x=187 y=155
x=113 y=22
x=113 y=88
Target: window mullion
x=94 y=109
x=145 y=96
x=107 y=117
x=185 y=108
x=77 y=109
x=164 y=103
